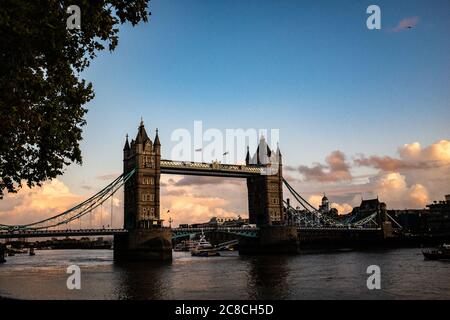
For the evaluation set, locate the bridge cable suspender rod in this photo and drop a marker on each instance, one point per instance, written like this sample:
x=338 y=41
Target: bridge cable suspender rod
x=99 y=194
x=97 y=200
x=328 y=220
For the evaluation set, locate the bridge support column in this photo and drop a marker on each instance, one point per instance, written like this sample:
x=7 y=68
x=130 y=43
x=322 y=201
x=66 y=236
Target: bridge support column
x=2 y=253
x=144 y=245
x=271 y=240
x=388 y=231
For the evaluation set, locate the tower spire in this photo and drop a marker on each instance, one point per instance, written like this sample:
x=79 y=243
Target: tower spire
x=247 y=157
x=157 y=142
x=142 y=136
x=127 y=144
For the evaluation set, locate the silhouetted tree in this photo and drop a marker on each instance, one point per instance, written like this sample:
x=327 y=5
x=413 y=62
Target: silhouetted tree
x=41 y=92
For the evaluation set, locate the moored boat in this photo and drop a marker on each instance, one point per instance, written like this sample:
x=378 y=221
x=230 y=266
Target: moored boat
x=186 y=245
x=440 y=253
x=204 y=248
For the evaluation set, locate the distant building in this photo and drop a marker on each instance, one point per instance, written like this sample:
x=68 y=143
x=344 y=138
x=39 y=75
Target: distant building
x=325 y=206
x=433 y=220
x=411 y=220
x=438 y=218
x=369 y=207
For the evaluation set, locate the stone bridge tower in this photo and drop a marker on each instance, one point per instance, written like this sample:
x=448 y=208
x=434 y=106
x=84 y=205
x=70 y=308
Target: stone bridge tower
x=142 y=206
x=265 y=192
x=147 y=239
x=265 y=204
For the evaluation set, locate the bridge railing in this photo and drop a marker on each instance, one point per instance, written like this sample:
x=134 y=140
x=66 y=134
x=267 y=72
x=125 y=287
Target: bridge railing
x=206 y=229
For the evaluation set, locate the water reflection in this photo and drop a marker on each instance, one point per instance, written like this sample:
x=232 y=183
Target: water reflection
x=141 y=280
x=267 y=277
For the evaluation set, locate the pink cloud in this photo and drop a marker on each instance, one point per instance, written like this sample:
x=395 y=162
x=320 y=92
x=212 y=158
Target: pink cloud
x=335 y=169
x=30 y=205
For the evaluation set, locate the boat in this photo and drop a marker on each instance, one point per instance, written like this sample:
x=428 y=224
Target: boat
x=204 y=248
x=179 y=247
x=187 y=245
x=440 y=253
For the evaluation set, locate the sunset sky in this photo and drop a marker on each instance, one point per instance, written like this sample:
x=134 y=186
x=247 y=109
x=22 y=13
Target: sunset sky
x=361 y=113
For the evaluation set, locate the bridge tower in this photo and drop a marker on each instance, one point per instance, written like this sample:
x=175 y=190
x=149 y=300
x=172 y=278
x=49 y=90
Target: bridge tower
x=265 y=203
x=147 y=239
x=265 y=192
x=142 y=209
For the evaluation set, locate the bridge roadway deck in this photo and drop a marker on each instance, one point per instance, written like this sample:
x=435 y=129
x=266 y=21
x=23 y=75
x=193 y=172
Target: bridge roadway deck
x=60 y=233
x=209 y=169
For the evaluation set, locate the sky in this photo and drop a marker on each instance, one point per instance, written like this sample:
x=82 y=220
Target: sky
x=361 y=113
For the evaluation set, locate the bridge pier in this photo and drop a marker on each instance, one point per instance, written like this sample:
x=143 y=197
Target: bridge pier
x=271 y=240
x=154 y=244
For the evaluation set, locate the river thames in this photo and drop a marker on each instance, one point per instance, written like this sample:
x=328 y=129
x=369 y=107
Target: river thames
x=340 y=275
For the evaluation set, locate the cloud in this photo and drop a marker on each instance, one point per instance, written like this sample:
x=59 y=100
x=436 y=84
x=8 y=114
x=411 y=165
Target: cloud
x=54 y=197
x=405 y=24
x=31 y=205
x=393 y=189
x=343 y=208
x=190 y=208
x=193 y=199
x=437 y=152
x=414 y=178
x=384 y=163
x=335 y=169
x=412 y=156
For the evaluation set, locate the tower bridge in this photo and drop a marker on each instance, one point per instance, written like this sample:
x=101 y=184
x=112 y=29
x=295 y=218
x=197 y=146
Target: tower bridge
x=143 y=237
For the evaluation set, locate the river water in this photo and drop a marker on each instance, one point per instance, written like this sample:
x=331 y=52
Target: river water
x=340 y=275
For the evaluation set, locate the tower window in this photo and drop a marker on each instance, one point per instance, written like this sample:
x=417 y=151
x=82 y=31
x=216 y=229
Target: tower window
x=148 y=180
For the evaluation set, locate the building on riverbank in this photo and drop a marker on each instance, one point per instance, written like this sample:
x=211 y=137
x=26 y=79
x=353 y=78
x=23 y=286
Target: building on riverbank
x=434 y=220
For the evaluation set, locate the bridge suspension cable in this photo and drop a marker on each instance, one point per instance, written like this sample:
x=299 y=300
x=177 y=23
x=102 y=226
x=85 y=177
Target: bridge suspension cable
x=78 y=211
